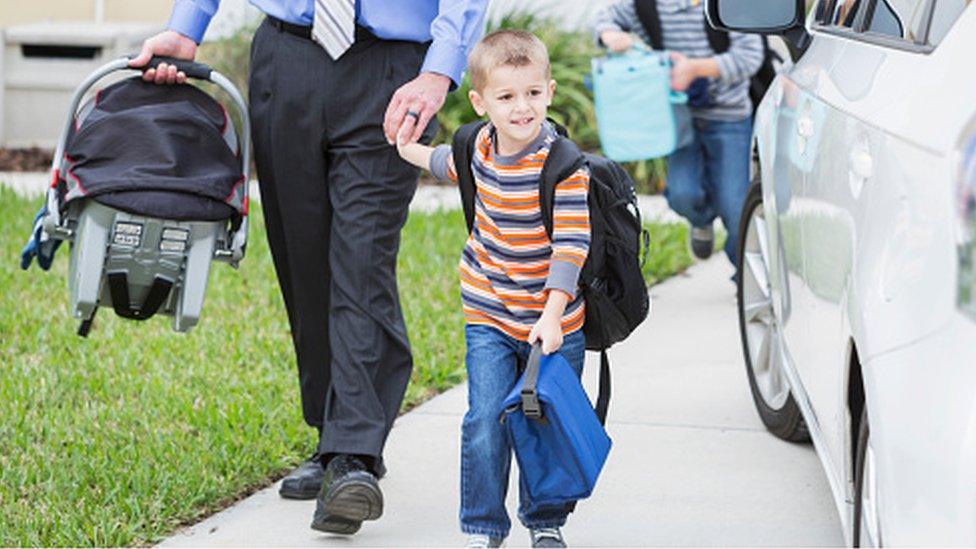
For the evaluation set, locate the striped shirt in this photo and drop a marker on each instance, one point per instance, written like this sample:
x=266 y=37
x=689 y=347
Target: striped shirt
x=683 y=31
x=509 y=262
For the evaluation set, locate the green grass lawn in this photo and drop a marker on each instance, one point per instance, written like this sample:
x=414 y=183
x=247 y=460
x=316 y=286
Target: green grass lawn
x=119 y=438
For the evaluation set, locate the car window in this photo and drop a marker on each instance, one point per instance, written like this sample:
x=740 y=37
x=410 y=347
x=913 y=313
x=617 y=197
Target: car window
x=844 y=12
x=903 y=19
x=944 y=15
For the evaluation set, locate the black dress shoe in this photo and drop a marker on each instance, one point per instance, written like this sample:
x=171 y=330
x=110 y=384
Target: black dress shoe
x=304 y=482
x=349 y=495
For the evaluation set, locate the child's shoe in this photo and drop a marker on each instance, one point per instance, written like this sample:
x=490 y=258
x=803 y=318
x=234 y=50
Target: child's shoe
x=481 y=541
x=702 y=241
x=547 y=537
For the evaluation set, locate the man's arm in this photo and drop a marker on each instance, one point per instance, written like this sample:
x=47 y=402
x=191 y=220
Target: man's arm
x=455 y=31
x=185 y=30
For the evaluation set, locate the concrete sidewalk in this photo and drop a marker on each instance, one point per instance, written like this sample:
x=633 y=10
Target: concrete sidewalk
x=691 y=463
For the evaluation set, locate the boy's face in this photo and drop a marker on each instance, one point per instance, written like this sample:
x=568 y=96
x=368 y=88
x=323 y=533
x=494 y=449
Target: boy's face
x=516 y=100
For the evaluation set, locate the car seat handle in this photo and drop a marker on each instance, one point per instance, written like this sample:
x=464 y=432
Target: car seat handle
x=192 y=69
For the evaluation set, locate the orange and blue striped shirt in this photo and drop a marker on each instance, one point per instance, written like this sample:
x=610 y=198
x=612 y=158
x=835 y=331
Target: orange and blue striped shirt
x=509 y=263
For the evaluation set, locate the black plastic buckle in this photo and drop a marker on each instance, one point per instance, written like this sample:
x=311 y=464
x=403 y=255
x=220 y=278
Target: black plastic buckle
x=530 y=404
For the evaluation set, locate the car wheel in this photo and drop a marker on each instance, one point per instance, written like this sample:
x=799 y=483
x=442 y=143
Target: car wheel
x=867 y=530
x=761 y=331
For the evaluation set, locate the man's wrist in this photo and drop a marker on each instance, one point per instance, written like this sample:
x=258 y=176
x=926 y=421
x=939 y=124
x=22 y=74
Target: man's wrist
x=439 y=77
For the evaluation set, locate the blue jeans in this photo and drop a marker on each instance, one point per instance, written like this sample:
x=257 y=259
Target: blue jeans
x=710 y=176
x=492 y=361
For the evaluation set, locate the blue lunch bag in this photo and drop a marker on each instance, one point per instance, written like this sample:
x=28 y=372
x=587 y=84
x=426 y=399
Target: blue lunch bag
x=559 y=442
x=634 y=106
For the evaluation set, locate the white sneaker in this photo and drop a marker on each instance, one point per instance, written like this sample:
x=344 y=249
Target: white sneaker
x=547 y=537
x=481 y=541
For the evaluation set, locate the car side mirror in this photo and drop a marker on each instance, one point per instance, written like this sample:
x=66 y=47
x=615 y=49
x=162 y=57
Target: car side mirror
x=782 y=17
x=756 y=16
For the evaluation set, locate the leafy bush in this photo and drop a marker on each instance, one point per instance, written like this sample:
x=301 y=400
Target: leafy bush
x=570 y=52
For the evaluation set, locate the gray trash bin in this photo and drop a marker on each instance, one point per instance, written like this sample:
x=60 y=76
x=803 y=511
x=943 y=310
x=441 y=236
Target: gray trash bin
x=41 y=65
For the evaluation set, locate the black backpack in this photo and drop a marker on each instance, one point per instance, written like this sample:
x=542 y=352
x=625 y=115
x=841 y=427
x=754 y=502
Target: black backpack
x=611 y=281
x=718 y=40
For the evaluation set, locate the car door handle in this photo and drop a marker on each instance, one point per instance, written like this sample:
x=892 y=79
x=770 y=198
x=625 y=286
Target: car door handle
x=804 y=127
x=862 y=165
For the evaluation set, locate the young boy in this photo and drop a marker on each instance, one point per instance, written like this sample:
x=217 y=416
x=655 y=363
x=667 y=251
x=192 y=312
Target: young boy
x=710 y=176
x=518 y=287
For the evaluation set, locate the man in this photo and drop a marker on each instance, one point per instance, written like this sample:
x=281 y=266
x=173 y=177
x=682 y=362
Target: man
x=331 y=83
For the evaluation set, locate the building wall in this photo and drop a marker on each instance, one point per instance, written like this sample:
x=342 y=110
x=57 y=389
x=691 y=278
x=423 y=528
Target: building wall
x=15 y=12
x=231 y=15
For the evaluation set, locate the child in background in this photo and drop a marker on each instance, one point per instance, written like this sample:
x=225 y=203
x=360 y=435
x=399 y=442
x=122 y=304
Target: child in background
x=518 y=286
x=709 y=177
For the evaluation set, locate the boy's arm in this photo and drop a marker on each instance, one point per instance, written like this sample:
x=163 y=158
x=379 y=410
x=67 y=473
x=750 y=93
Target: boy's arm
x=742 y=60
x=619 y=17
x=570 y=244
x=570 y=232
x=438 y=160
x=549 y=327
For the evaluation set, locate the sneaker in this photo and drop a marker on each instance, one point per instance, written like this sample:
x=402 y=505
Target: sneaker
x=481 y=541
x=702 y=241
x=547 y=537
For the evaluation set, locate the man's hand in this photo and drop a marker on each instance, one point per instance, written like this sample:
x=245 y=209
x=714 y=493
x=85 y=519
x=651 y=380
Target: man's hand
x=423 y=96
x=168 y=43
x=616 y=41
x=548 y=329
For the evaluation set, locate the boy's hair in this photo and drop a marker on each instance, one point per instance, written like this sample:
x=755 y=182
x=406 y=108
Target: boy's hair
x=506 y=47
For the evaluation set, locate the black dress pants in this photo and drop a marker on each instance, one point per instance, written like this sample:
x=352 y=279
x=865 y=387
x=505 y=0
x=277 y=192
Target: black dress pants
x=335 y=196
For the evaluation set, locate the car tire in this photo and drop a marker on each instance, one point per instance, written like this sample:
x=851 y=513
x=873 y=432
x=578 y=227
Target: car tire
x=862 y=536
x=781 y=415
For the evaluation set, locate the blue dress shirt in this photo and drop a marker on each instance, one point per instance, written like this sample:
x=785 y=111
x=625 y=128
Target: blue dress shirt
x=453 y=25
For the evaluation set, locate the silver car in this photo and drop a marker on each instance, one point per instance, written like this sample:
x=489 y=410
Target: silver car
x=857 y=287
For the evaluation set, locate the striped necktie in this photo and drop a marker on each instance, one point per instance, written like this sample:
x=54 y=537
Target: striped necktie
x=334 y=25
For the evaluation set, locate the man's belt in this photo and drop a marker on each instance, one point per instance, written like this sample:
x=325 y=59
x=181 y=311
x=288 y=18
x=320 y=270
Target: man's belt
x=291 y=28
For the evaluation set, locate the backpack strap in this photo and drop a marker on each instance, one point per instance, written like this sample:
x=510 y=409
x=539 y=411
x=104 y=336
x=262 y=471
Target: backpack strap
x=651 y=21
x=463 y=149
x=603 y=398
x=563 y=160
x=717 y=39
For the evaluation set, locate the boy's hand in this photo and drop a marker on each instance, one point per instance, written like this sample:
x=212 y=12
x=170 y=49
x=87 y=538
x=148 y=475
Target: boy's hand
x=616 y=41
x=403 y=136
x=548 y=329
x=683 y=71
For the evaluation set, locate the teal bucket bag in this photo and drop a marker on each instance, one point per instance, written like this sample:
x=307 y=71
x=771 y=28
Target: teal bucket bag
x=638 y=115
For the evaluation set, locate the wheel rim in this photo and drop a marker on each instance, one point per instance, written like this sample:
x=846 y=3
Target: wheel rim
x=869 y=530
x=763 y=334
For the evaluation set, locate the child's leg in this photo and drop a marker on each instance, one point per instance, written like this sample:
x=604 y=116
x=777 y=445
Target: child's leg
x=685 y=189
x=533 y=516
x=486 y=455
x=727 y=157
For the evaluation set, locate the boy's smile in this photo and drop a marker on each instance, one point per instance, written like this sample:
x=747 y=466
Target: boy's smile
x=516 y=100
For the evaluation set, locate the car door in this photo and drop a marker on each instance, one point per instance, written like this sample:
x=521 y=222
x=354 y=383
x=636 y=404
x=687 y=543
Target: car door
x=861 y=78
